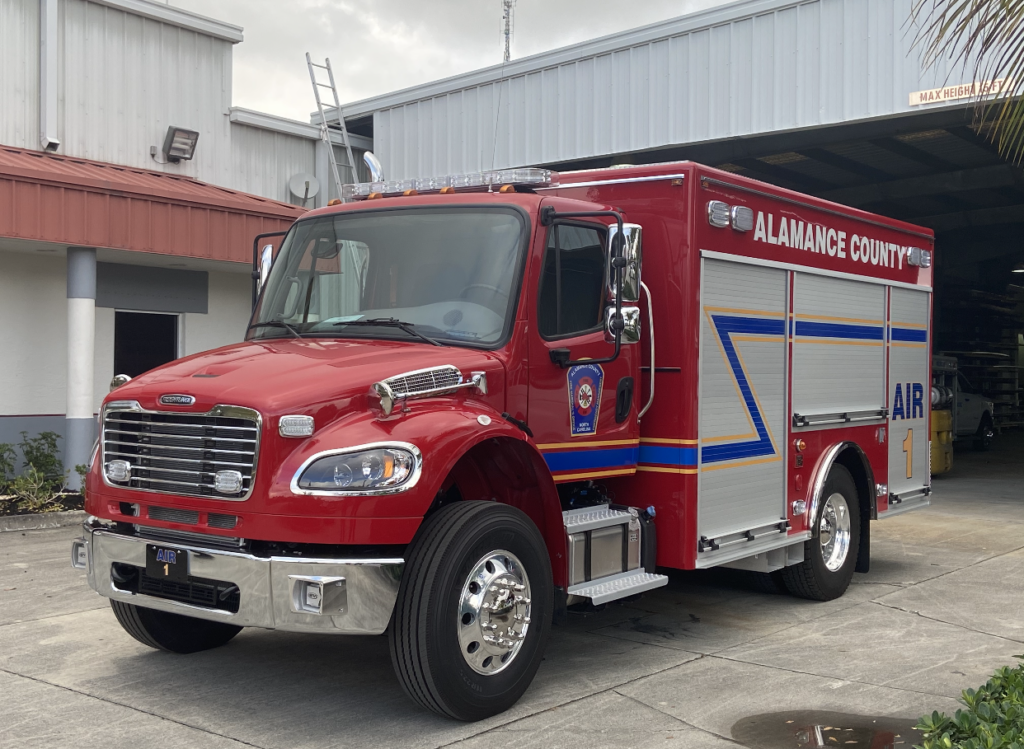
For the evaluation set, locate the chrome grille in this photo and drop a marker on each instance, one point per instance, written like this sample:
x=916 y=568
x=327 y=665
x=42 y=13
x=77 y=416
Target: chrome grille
x=172 y=515
x=179 y=453
x=433 y=380
x=201 y=540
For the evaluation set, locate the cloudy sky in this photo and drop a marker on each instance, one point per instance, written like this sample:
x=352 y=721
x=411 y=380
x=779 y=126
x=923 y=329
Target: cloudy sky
x=378 y=46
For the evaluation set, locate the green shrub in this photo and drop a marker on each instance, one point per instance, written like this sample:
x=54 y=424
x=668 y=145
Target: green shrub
x=40 y=452
x=7 y=460
x=994 y=718
x=40 y=487
x=33 y=492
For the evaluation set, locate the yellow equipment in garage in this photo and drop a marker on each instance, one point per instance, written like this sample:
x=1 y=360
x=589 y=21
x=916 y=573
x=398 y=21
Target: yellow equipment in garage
x=942 y=441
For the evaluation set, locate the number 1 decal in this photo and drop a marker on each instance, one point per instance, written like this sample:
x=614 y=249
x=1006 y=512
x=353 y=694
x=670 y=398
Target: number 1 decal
x=908 y=448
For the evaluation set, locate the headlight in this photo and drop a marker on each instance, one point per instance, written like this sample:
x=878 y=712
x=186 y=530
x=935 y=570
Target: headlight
x=365 y=470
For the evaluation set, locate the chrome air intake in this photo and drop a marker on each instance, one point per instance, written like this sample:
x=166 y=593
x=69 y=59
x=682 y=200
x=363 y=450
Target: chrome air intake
x=422 y=383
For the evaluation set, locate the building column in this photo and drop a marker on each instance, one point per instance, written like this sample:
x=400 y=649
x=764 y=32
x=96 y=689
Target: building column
x=79 y=422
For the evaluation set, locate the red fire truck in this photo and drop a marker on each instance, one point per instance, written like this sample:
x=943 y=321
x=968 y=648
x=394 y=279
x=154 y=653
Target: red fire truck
x=464 y=405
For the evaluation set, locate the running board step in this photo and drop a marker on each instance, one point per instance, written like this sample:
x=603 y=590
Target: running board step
x=618 y=586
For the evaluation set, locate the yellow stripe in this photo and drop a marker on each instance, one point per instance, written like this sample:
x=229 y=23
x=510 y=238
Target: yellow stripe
x=663 y=441
x=909 y=345
x=836 y=343
x=711 y=440
x=893 y=324
x=744 y=463
x=659 y=469
x=839 y=319
x=762 y=313
x=594 y=474
x=608 y=443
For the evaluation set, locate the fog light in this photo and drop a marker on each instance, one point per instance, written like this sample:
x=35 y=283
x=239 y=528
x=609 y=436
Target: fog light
x=119 y=470
x=79 y=555
x=227 y=482
x=295 y=426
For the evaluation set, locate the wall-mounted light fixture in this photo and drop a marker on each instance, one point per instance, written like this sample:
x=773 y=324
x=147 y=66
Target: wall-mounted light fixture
x=180 y=144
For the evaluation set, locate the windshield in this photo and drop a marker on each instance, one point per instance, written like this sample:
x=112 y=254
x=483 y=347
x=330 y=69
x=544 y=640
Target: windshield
x=449 y=274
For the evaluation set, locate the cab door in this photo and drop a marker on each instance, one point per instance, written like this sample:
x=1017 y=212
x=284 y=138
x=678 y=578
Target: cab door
x=584 y=415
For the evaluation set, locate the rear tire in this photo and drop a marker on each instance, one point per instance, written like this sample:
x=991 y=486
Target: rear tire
x=171 y=632
x=983 y=437
x=473 y=611
x=830 y=555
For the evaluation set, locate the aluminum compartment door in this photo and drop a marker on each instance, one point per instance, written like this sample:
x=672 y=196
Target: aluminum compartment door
x=909 y=391
x=742 y=398
x=838 y=346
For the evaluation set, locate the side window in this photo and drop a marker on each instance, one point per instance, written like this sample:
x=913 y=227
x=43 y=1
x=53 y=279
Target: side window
x=571 y=299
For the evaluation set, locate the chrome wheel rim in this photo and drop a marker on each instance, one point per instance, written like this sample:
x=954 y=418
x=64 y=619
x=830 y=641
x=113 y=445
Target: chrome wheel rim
x=834 y=531
x=494 y=612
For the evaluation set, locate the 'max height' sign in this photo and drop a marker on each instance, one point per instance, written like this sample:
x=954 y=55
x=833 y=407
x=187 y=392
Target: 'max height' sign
x=975 y=90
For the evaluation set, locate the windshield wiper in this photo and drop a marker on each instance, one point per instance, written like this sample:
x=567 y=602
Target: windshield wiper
x=276 y=324
x=391 y=322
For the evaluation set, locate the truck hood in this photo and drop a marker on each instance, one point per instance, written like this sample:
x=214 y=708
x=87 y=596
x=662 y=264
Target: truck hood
x=294 y=376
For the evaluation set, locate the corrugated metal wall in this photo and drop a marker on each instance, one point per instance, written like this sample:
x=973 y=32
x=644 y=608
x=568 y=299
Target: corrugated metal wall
x=125 y=79
x=757 y=67
x=263 y=160
x=19 y=72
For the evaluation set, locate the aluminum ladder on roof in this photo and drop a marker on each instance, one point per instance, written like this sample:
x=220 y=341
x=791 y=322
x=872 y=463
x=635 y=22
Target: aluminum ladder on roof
x=325 y=131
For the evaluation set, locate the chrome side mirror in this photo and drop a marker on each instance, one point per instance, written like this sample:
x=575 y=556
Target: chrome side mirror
x=119 y=380
x=266 y=260
x=630 y=321
x=631 y=251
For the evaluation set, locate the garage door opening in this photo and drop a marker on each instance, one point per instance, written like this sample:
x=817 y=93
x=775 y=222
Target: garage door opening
x=143 y=341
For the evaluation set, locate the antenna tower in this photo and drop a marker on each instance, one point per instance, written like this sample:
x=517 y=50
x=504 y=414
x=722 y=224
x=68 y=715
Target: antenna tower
x=508 y=8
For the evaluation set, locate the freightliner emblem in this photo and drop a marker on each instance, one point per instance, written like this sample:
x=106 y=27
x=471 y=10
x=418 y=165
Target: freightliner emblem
x=177 y=400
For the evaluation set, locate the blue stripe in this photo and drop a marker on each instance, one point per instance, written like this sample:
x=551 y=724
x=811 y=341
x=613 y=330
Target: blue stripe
x=668 y=455
x=585 y=460
x=725 y=327
x=908 y=334
x=839 y=330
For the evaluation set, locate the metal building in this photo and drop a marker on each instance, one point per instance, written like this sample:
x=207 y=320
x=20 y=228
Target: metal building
x=827 y=97
x=117 y=252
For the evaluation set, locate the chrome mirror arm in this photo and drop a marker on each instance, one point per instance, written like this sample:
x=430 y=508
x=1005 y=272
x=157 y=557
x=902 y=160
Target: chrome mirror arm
x=650 y=332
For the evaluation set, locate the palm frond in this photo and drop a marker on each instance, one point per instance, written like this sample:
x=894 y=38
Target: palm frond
x=984 y=38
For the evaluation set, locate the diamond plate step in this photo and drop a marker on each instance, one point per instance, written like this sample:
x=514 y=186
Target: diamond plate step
x=592 y=518
x=614 y=587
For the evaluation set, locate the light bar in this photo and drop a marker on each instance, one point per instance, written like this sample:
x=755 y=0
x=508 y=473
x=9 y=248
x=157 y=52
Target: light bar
x=473 y=182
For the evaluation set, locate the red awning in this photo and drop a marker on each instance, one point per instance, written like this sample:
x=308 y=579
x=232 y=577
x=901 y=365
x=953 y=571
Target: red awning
x=53 y=198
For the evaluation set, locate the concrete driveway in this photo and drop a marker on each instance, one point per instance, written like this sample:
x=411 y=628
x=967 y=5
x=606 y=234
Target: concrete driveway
x=706 y=662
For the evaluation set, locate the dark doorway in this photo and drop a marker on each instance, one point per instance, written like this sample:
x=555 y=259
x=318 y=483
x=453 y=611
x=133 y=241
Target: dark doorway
x=143 y=341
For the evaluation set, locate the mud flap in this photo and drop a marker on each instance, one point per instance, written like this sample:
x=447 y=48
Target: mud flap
x=864 y=550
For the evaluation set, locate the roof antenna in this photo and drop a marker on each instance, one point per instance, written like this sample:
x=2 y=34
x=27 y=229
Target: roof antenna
x=508 y=8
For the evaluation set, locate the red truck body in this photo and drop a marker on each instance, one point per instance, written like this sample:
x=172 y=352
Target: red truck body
x=802 y=324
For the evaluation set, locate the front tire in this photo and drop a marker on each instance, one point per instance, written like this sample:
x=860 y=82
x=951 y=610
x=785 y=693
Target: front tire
x=473 y=611
x=830 y=555
x=171 y=632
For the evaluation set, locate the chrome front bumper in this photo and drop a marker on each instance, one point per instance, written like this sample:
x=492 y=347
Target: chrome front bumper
x=355 y=596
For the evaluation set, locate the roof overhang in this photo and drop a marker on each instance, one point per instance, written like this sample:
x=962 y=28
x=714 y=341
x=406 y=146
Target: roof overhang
x=177 y=17
x=61 y=200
